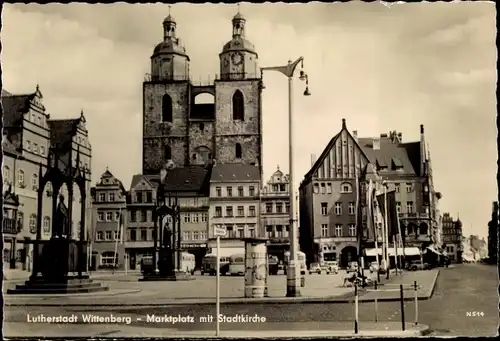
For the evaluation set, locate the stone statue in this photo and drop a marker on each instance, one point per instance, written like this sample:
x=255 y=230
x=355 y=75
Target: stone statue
x=62 y=219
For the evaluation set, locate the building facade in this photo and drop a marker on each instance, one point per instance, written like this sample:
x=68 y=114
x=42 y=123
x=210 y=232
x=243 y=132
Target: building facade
x=275 y=213
x=109 y=215
x=330 y=197
x=452 y=237
x=178 y=128
x=235 y=203
x=29 y=136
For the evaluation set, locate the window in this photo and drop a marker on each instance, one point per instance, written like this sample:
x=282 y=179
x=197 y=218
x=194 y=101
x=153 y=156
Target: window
x=238 y=106
x=108 y=235
x=35 y=148
x=34 y=182
x=133 y=216
x=396 y=186
x=346 y=188
x=166 y=107
x=329 y=188
x=279 y=207
x=409 y=207
x=218 y=211
x=398 y=206
x=187 y=218
x=32 y=223
x=251 y=191
x=203 y=235
x=204 y=217
x=287 y=207
x=338 y=230
x=338 y=208
x=238 y=151
x=42 y=150
x=316 y=188
x=352 y=230
x=230 y=232
x=100 y=216
x=240 y=191
x=6 y=175
x=133 y=235
x=116 y=235
x=324 y=208
x=229 y=191
x=241 y=232
x=324 y=230
x=269 y=231
x=144 y=216
x=46 y=224
x=251 y=211
x=99 y=235
x=168 y=153
x=149 y=196
x=102 y=197
x=138 y=197
x=241 y=211
x=185 y=235
x=408 y=188
x=28 y=146
x=109 y=258
x=196 y=218
x=20 y=178
x=144 y=234
x=251 y=231
x=117 y=216
x=111 y=197
x=352 y=208
x=229 y=211
x=109 y=216
x=323 y=188
x=269 y=208
x=218 y=191
x=20 y=219
x=196 y=235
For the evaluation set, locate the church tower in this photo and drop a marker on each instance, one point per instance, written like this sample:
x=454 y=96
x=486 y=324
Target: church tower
x=166 y=103
x=238 y=128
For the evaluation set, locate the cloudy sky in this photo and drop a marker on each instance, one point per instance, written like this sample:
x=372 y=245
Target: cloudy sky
x=380 y=68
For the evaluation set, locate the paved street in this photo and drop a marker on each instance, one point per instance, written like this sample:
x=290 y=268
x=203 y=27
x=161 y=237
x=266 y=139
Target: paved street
x=464 y=288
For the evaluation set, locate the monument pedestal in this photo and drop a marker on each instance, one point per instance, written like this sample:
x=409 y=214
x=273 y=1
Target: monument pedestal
x=61 y=269
x=173 y=277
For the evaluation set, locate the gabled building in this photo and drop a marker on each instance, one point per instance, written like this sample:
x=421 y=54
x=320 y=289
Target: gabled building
x=452 y=237
x=141 y=201
x=109 y=213
x=29 y=136
x=275 y=213
x=235 y=203
x=330 y=198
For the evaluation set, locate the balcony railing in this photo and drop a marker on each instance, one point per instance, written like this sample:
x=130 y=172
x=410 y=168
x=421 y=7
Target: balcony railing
x=164 y=78
x=414 y=215
x=10 y=226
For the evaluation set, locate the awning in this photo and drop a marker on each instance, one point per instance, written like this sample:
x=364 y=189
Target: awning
x=432 y=249
x=409 y=251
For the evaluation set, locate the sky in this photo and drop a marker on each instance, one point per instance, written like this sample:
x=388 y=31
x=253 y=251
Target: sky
x=382 y=68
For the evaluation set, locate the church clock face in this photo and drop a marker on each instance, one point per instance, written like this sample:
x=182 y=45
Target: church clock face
x=237 y=58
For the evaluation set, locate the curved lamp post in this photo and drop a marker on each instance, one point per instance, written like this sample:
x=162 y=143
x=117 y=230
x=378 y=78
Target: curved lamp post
x=293 y=274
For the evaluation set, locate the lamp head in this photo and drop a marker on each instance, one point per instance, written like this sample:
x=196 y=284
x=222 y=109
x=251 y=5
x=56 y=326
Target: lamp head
x=307 y=92
x=303 y=75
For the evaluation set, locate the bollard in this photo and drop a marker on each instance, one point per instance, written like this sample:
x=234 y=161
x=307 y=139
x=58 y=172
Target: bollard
x=356 y=302
x=376 y=303
x=401 y=297
x=416 y=302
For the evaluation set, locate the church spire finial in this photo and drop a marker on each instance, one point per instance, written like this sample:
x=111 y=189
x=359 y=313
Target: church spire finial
x=169 y=9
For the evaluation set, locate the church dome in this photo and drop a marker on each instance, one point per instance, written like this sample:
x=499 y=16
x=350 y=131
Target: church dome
x=239 y=44
x=169 y=47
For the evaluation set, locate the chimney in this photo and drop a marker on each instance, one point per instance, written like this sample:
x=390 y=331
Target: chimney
x=376 y=144
x=355 y=135
x=313 y=159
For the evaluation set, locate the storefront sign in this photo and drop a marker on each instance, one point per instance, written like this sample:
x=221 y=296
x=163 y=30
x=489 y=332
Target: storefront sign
x=192 y=246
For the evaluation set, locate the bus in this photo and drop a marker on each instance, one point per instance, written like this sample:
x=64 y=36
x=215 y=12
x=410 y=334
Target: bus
x=188 y=262
x=209 y=263
x=237 y=264
x=301 y=259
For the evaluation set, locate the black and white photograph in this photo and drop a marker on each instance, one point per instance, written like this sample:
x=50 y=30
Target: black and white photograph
x=245 y=170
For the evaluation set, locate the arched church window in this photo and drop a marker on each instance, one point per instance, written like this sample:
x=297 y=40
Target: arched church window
x=238 y=151
x=238 y=106
x=168 y=153
x=167 y=108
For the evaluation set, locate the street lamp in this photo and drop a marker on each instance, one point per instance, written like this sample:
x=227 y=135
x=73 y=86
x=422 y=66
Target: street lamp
x=292 y=281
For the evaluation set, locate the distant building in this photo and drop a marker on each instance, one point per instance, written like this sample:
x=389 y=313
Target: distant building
x=329 y=193
x=493 y=234
x=275 y=213
x=452 y=237
x=29 y=135
x=109 y=213
x=235 y=203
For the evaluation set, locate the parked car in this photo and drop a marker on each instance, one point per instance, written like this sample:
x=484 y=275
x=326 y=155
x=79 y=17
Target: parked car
x=318 y=268
x=352 y=267
x=333 y=266
x=418 y=265
x=374 y=267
